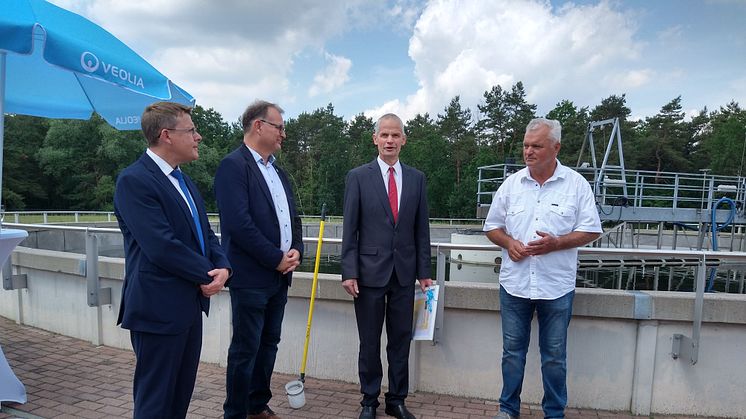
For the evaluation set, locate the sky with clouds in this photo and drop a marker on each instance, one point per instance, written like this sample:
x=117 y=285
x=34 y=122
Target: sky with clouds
x=411 y=57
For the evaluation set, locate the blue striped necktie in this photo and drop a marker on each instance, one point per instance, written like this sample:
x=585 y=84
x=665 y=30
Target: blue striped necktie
x=195 y=216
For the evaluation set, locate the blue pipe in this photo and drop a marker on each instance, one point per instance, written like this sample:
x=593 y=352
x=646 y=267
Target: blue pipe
x=715 y=228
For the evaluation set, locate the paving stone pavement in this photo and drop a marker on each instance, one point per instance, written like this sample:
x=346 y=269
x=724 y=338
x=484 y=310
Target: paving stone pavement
x=70 y=378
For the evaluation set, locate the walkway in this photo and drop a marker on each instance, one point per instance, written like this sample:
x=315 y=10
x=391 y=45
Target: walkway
x=70 y=378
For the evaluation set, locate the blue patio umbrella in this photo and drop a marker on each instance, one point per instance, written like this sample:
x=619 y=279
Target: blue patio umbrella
x=57 y=64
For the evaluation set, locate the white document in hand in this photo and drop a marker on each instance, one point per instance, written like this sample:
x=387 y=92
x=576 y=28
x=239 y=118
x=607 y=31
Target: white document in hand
x=425 y=308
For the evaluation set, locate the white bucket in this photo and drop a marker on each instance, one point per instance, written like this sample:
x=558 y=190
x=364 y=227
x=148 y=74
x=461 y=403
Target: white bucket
x=296 y=397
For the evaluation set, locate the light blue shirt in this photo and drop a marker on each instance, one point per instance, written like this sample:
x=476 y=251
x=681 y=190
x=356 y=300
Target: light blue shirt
x=279 y=198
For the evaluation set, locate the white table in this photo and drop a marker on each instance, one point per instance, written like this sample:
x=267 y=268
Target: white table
x=9 y=239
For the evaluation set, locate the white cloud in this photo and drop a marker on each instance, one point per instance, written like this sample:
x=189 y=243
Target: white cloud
x=672 y=36
x=629 y=79
x=406 y=11
x=393 y=106
x=465 y=48
x=691 y=113
x=228 y=53
x=405 y=110
x=231 y=52
x=333 y=76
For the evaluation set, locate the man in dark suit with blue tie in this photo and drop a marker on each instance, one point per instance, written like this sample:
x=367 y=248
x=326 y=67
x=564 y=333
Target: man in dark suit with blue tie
x=262 y=237
x=173 y=262
x=385 y=247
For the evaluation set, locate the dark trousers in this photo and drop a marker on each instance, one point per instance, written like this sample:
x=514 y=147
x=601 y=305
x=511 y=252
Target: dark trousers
x=166 y=370
x=395 y=304
x=257 y=324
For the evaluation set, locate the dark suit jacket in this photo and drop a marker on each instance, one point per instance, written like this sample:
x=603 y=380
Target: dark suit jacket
x=372 y=245
x=164 y=263
x=248 y=221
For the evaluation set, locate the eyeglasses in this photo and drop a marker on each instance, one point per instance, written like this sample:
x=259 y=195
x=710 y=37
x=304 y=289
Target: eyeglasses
x=192 y=130
x=279 y=127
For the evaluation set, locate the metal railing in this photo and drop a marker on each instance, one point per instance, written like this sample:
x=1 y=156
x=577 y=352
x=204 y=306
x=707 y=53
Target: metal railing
x=683 y=346
x=644 y=189
x=46 y=217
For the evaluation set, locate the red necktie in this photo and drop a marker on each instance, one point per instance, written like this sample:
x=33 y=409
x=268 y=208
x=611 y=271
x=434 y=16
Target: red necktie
x=393 y=199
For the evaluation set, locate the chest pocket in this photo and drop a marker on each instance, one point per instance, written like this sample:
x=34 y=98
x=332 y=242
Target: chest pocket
x=513 y=218
x=562 y=218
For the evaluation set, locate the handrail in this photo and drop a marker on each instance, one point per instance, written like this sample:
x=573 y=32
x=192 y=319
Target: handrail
x=641 y=188
x=63 y=227
x=457 y=246
x=16 y=215
x=682 y=345
x=45 y=214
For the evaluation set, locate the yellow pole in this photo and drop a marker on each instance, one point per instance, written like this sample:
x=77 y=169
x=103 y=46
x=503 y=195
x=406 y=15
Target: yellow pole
x=313 y=293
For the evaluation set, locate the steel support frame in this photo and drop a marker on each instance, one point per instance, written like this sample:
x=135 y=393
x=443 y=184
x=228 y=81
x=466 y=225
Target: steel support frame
x=688 y=347
x=97 y=296
x=440 y=279
x=13 y=282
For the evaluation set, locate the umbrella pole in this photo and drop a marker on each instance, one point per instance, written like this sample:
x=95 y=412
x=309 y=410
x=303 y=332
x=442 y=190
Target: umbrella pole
x=313 y=294
x=2 y=129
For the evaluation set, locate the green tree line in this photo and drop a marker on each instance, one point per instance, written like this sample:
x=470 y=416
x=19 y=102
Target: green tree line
x=73 y=164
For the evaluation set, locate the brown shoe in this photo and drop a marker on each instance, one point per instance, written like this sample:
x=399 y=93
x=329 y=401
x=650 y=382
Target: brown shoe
x=265 y=414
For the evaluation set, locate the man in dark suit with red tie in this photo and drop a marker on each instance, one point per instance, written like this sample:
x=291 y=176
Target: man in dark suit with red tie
x=173 y=262
x=385 y=248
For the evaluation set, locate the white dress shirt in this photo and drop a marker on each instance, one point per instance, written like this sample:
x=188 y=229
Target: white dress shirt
x=563 y=204
x=279 y=198
x=167 y=169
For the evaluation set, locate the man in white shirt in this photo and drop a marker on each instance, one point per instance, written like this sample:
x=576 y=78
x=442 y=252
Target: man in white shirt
x=539 y=216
